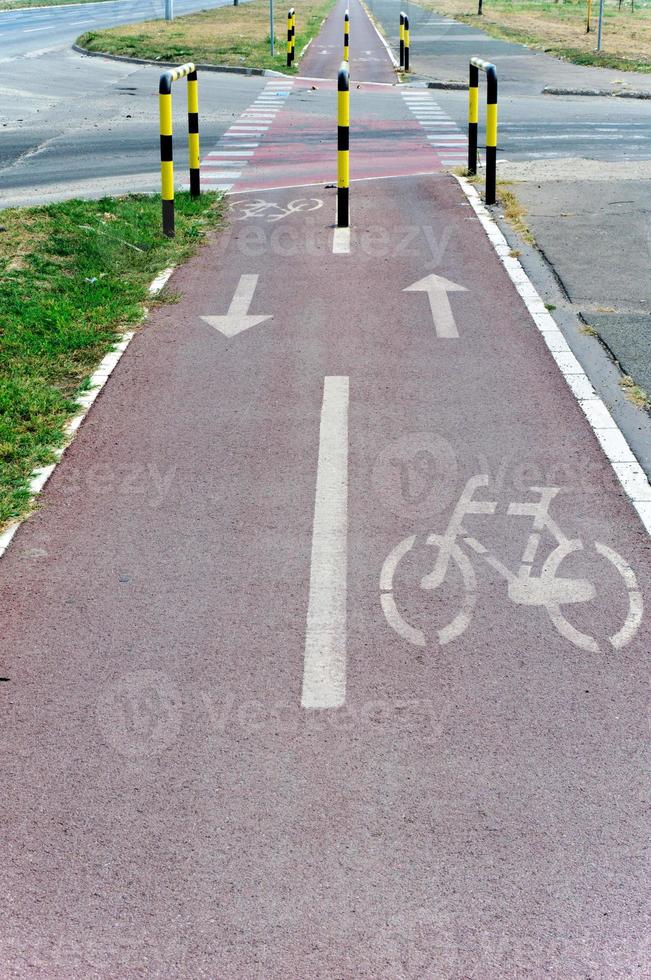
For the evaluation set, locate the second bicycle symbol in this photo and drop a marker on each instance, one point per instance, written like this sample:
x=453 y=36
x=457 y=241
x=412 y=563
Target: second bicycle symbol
x=456 y=551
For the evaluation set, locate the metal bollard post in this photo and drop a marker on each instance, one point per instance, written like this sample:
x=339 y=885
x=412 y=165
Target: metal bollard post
x=477 y=65
x=293 y=35
x=343 y=145
x=473 y=117
x=166 y=139
x=491 y=134
x=289 y=38
x=406 y=58
x=402 y=39
x=194 y=154
x=346 y=35
x=166 y=153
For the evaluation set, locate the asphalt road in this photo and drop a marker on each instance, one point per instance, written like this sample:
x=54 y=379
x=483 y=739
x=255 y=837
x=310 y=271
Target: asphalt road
x=249 y=733
x=532 y=125
x=109 y=144
x=56 y=144
x=73 y=125
x=25 y=32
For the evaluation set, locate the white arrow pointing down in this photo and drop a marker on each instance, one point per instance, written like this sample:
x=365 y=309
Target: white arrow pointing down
x=437 y=289
x=238 y=317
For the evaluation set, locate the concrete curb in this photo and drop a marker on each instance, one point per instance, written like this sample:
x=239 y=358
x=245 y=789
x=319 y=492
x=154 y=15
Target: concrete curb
x=230 y=69
x=448 y=85
x=551 y=90
x=602 y=92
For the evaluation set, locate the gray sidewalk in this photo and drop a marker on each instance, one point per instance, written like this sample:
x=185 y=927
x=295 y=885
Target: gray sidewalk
x=441 y=47
x=595 y=234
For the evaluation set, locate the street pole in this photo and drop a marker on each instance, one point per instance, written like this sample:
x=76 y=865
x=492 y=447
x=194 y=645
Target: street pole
x=169 y=9
x=601 y=17
x=271 y=27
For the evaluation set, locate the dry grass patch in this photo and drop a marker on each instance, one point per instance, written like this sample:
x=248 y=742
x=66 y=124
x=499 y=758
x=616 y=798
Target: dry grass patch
x=514 y=212
x=237 y=36
x=560 y=28
x=634 y=393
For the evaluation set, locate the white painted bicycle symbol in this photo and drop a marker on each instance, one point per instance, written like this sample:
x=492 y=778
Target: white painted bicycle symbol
x=273 y=211
x=546 y=590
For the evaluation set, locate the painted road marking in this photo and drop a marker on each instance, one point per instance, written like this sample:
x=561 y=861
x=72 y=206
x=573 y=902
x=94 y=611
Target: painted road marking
x=341 y=241
x=442 y=132
x=238 y=318
x=224 y=174
x=437 y=289
x=324 y=669
x=219 y=161
x=546 y=590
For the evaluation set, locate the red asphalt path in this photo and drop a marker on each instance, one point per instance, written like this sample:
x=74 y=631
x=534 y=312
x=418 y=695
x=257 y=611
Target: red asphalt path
x=475 y=808
x=288 y=135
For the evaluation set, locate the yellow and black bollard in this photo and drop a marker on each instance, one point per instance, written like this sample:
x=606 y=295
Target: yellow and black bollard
x=193 y=134
x=166 y=139
x=293 y=35
x=402 y=39
x=406 y=36
x=473 y=117
x=343 y=146
x=477 y=65
x=346 y=35
x=289 y=38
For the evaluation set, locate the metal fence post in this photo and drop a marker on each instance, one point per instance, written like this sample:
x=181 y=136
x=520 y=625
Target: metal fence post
x=272 y=39
x=343 y=145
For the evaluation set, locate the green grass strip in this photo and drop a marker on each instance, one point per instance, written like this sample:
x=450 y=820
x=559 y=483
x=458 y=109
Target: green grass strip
x=73 y=276
x=221 y=36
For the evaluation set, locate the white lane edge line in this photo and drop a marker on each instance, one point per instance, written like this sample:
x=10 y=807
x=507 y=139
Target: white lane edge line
x=324 y=666
x=353 y=180
x=609 y=436
x=98 y=379
x=394 y=60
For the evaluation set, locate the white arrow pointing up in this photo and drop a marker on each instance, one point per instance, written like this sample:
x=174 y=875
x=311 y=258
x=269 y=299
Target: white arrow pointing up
x=238 y=318
x=437 y=289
